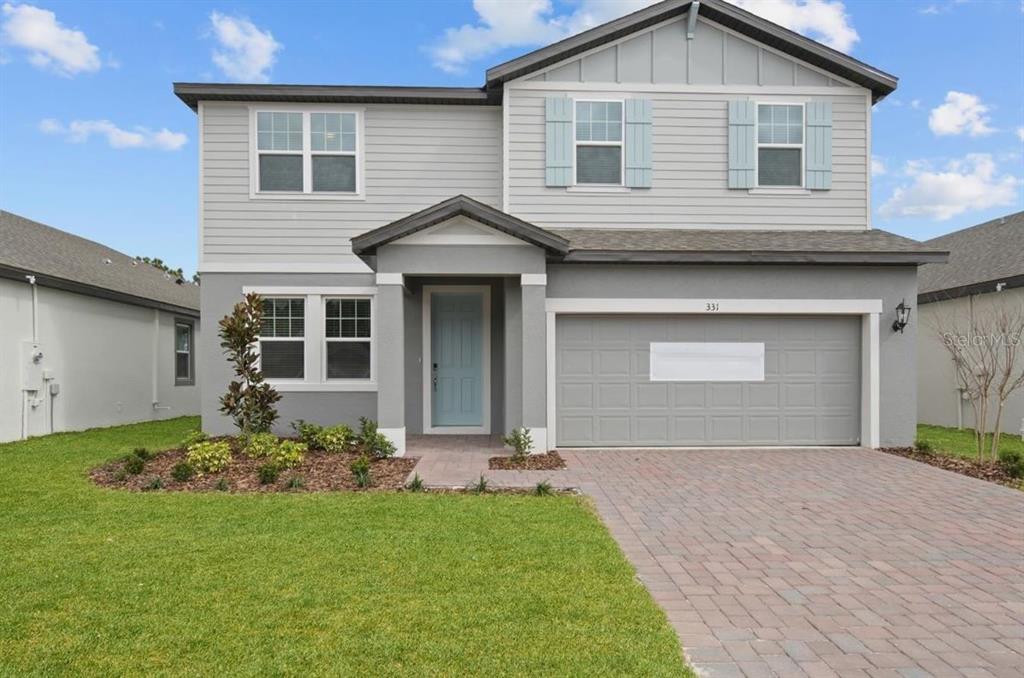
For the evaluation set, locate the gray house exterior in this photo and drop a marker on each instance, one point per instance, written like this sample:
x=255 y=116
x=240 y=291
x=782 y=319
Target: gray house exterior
x=654 y=233
x=90 y=336
x=985 y=275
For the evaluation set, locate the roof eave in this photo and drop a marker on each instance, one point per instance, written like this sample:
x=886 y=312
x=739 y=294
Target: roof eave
x=984 y=287
x=754 y=257
x=191 y=93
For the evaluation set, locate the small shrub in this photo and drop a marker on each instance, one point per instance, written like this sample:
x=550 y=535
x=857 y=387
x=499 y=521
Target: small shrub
x=182 y=472
x=222 y=484
x=1013 y=462
x=480 y=486
x=210 y=456
x=143 y=454
x=923 y=446
x=260 y=445
x=193 y=437
x=295 y=483
x=416 y=484
x=335 y=439
x=268 y=473
x=520 y=441
x=134 y=465
x=373 y=441
x=308 y=432
x=121 y=476
x=154 y=484
x=361 y=471
x=543 y=489
x=288 y=454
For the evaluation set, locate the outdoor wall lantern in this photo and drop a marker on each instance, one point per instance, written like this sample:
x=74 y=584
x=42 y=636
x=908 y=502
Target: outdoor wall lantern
x=902 y=317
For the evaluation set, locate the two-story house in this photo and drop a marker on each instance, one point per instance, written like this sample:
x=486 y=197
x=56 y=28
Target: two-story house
x=654 y=233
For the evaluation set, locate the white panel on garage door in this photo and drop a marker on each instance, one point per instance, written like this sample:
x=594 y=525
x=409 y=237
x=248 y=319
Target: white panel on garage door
x=810 y=394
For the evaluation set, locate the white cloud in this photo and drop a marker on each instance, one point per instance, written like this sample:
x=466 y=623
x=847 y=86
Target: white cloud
x=247 y=53
x=79 y=131
x=502 y=24
x=964 y=185
x=961 y=113
x=877 y=166
x=50 y=45
x=1020 y=133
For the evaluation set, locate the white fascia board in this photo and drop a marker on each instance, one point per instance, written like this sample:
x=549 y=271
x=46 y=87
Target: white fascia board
x=714 y=306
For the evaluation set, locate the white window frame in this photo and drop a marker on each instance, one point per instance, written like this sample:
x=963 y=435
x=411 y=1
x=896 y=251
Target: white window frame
x=190 y=379
x=372 y=339
x=621 y=143
x=307 y=154
x=304 y=339
x=758 y=145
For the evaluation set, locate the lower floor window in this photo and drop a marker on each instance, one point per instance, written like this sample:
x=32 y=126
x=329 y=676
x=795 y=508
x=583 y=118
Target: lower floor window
x=183 y=352
x=282 y=338
x=347 y=332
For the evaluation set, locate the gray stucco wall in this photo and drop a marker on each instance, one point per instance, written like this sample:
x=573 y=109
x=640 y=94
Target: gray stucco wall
x=898 y=360
x=99 y=352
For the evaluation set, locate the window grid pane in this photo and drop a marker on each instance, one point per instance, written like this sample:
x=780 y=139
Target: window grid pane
x=598 y=121
x=283 y=318
x=780 y=124
x=347 y=319
x=279 y=131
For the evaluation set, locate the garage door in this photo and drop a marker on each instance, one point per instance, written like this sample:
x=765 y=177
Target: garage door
x=810 y=393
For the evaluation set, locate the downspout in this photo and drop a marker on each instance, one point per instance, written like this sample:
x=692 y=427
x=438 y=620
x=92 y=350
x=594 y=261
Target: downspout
x=35 y=339
x=691 y=19
x=156 y=364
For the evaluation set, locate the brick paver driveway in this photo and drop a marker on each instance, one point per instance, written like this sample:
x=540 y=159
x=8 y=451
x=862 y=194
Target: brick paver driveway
x=820 y=562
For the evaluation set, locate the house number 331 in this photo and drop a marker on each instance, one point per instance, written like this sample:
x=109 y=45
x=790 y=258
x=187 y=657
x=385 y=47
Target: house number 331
x=711 y=306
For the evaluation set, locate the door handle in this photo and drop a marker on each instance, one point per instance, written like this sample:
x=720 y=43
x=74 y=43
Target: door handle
x=434 y=377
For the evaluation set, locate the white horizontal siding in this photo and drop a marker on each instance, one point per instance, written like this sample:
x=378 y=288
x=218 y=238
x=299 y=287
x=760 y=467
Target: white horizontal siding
x=690 y=160
x=415 y=156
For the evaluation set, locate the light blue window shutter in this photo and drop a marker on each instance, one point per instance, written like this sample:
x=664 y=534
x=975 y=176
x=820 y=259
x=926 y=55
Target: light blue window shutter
x=638 y=143
x=742 y=147
x=558 y=141
x=818 y=146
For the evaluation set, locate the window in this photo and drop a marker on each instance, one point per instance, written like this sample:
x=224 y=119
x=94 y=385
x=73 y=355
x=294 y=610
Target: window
x=348 y=336
x=598 y=142
x=307 y=152
x=283 y=338
x=183 y=364
x=780 y=144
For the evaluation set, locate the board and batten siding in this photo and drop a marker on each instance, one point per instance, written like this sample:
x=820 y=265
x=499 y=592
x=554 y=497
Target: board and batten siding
x=689 y=186
x=415 y=156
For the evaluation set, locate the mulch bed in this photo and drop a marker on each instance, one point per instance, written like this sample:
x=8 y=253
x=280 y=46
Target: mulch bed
x=549 y=461
x=319 y=471
x=994 y=473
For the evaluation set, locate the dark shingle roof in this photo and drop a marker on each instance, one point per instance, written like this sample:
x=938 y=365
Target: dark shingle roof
x=60 y=259
x=738 y=246
x=987 y=253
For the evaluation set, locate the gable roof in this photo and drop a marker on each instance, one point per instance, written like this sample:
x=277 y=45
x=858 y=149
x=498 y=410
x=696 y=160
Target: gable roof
x=979 y=257
x=879 y=82
x=460 y=205
x=65 y=261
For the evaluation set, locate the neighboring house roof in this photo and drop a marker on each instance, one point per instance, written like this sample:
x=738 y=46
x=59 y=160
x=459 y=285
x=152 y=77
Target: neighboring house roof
x=979 y=257
x=879 y=82
x=65 y=261
x=460 y=205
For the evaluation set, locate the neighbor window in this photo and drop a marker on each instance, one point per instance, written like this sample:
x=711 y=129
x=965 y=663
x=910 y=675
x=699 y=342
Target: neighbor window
x=183 y=353
x=283 y=338
x=599 y=142
x=348 y=335
x=780 y=144
x=307 y=152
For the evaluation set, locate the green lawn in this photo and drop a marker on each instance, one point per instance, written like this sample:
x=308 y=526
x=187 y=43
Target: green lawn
x=104 y=582
x=960 y=443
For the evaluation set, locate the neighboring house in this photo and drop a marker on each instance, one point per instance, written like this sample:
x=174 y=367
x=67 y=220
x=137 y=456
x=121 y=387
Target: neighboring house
x=985 y=274
x=89 y=336
x=654 y=233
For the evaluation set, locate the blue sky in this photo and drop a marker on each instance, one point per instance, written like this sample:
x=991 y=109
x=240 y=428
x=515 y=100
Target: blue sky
x=93 y=141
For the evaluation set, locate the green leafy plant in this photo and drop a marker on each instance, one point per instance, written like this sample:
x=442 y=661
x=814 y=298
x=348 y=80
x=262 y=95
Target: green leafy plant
x=288 y=454
x=520 y=441
x=154 y=484
x=1012 y=461
x=134 y=465
x=260 y=445
x=923 y=446
x=335 y=439
x=543 y=489
x=209 y=456
x=361 y=471
x=193 y=437
x=249 y=400
x=479 y=486
x=121 y=476
x=182 y=472
x=295 y=483
x=372 y=441
x=416 y=484
x=308 y=432
x=268 y=473
x=143 y=454
x=222 y=484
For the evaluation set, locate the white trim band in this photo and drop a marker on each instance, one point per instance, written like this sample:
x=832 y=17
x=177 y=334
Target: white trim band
x=390 y=279
x=303 y=291
x=533 y=279
x=716 y=306
x=353 y=266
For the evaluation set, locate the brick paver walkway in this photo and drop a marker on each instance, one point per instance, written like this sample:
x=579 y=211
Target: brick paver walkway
x=803 y=562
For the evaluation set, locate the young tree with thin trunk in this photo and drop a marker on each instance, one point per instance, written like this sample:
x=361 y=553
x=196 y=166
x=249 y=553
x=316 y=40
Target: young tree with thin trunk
x=249 y=400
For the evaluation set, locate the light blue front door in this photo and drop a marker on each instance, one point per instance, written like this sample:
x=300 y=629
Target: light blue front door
x=456 y=360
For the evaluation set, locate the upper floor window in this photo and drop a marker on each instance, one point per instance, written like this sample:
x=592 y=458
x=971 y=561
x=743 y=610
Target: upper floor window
x=780 y=144
x=307 y=153
x=598 y=139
